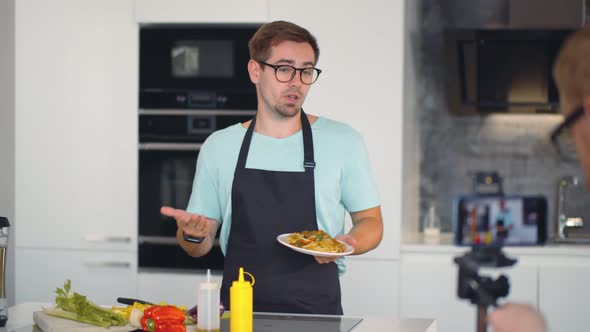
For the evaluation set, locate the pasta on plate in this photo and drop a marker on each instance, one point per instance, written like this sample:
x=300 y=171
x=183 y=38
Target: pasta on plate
x=316 y=240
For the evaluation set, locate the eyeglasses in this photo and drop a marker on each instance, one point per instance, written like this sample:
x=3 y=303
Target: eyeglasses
x=285 y=73
x=563 y=143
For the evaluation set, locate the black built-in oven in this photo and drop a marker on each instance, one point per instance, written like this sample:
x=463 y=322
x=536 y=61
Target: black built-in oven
x=169 y=144
x=196 y=66
x=193 y=81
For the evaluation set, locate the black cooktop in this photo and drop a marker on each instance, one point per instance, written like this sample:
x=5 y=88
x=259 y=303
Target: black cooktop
x=268 y=322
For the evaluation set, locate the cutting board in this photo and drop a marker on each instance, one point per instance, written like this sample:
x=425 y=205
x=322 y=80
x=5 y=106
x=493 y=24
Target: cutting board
x=55 y=324
x=49 y=323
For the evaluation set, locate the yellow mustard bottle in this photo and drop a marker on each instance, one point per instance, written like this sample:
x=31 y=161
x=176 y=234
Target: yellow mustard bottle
x=241 y=304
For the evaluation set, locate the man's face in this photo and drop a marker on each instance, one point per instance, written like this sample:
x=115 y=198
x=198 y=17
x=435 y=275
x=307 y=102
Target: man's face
x=580 y=131
x=284 y=99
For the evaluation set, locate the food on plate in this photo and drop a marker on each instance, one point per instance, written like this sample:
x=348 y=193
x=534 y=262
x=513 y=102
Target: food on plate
x=73 y=306
x=316 y=240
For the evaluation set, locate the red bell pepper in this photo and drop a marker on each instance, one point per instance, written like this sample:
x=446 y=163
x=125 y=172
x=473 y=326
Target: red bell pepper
x=163 y=319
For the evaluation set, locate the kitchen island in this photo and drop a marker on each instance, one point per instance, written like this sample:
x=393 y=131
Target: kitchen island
x=20 y=319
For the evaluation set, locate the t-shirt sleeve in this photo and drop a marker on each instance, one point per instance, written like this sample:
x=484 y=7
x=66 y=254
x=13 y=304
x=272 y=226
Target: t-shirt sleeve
x=359 y=191
x=204 y=197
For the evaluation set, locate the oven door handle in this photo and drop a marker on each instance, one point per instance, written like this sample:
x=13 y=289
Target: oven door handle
x=170 y=146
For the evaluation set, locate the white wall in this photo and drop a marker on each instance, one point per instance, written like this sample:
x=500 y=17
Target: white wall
x=191 y=11
x=7 y=132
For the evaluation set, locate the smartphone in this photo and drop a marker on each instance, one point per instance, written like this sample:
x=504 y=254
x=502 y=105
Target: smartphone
x=500 y=220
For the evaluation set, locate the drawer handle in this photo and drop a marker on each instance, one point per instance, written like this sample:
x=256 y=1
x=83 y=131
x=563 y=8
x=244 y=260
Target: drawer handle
x=111 y=264
x=105 y=238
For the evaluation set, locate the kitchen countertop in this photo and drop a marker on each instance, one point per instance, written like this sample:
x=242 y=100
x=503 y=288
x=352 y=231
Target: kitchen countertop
x=417 y=243
x=20 y=319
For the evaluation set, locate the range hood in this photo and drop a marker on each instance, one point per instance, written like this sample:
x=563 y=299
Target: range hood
x=515 y=14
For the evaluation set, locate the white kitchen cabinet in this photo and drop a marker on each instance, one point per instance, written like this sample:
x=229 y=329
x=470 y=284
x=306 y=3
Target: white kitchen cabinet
x=564 y=294
x=75 y=148
x=370 y=287
x=361 y=55
x=76 y=124
x=7 y=169
x=173 y=288
x=101 y=276
x=190 y=11
x=429 y=289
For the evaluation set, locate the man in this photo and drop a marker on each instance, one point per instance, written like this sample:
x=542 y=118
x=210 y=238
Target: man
x=284 y=171
x=572 y=77
x=503 y=222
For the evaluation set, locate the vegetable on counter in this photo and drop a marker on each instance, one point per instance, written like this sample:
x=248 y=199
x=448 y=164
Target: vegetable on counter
x=163 y=319
x=134 y=313
x=193 y=313
x=71 y=305
x=127 y=311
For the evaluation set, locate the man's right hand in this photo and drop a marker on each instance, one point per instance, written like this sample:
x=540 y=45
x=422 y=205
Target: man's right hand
x=193 y=225
x=516 y=317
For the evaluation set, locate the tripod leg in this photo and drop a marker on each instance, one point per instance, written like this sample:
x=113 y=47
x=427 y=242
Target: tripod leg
x=482 y=317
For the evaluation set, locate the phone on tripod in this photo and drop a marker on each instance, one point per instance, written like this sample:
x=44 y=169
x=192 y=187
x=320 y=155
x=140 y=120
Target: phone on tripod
x=514 y=220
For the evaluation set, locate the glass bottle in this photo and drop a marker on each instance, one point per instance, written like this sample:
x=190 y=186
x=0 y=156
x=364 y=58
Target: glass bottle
x=431 y=225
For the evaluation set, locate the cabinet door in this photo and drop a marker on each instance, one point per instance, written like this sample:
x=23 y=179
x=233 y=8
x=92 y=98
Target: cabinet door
x=76 y=124
x=564 y=295
x=370 y=287
x=180 y=288
x=361 y=55
x=429 y=290
x=101 y=276
x=190 y=11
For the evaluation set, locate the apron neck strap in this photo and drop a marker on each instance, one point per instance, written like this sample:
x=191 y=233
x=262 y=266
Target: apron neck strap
x=308 y=161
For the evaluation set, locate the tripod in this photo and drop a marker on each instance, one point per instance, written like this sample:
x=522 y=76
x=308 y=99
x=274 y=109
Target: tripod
x=482 y=291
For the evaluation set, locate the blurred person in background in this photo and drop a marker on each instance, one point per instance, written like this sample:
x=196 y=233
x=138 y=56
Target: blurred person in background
x=572 y=77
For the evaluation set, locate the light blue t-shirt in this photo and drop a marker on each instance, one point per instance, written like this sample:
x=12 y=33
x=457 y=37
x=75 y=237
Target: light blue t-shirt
x=343 y=179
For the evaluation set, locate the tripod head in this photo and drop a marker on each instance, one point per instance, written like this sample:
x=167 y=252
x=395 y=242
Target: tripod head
x=479 y=290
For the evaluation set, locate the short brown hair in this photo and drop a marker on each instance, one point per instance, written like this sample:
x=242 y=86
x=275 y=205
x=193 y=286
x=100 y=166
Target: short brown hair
x=572 y=68
x=273 y=33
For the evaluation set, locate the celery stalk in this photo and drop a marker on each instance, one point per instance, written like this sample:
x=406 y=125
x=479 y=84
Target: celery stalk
x=71 y=305
x=72 y=316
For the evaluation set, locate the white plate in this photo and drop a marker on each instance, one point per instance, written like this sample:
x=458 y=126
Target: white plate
x=283 y=240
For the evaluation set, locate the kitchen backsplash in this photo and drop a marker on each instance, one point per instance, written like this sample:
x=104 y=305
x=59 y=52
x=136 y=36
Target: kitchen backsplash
x=453 y=147
x=515 y=146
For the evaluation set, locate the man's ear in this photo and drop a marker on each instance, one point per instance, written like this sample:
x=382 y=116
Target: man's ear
x=254 y=71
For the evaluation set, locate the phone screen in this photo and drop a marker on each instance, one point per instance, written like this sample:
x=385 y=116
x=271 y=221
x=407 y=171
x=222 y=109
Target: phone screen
x=504 y=220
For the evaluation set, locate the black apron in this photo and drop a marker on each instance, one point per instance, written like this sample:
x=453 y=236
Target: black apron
x=266 y=204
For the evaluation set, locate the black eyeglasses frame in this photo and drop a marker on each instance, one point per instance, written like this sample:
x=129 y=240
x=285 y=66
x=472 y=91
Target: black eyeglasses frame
x=569 y=120
x=566 y=123
x=295 y=69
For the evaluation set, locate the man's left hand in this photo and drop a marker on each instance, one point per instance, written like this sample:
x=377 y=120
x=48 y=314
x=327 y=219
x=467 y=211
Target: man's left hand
x=344 y=238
